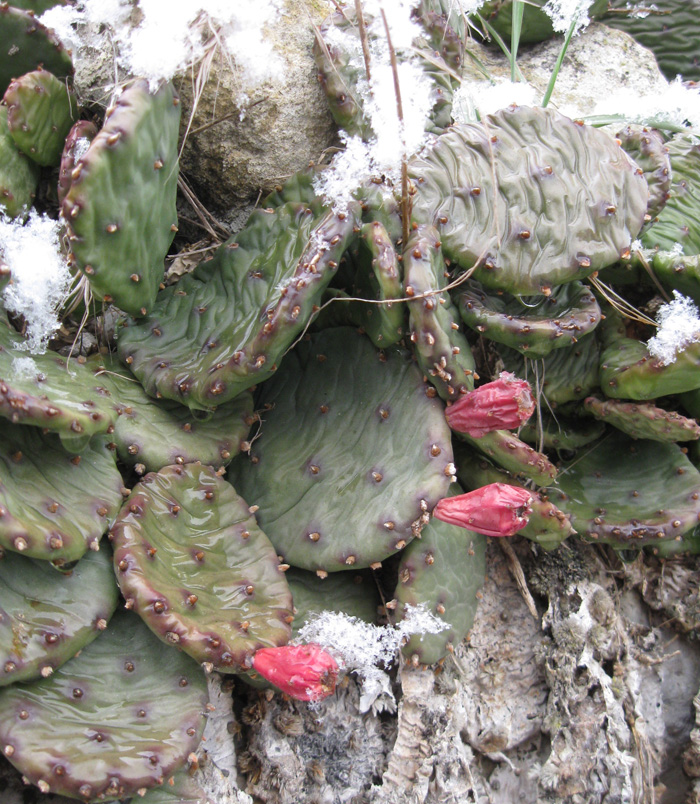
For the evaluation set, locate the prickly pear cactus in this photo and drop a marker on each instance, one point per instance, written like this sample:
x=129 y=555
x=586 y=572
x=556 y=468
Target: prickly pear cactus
x=120 y=209
x=498 y=192
x=46 y=616
x=41 y=112
x=191 y=560
x=54 y=505
x=352 y=454
x=643 y=420
x=442 y=572
x=19 y=176
x=647 y=147
x=224 y=327
x=116 y=720
x=150 y=434
x=77 y=142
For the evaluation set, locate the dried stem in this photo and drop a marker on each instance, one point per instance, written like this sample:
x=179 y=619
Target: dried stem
x=363 y=38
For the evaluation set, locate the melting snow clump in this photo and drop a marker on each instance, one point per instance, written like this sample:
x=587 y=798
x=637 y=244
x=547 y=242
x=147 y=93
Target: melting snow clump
x=677 y=104
x=679 y=326
x=40 y=280
x=485 y=98
x=565 y=13
x=368 y=650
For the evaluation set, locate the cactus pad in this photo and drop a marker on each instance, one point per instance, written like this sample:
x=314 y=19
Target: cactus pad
x=223 y=328
x=352 y=455
x=54 y=505
x=47 y=616
x=77 y=142
x=531 y=198
x=643 y=420
x=40 y=114
x=120 y=209
x=630 y=493
x=648 y=149
x=152 y=434
x=192 y=562
x=19 y=176
x=119 y=718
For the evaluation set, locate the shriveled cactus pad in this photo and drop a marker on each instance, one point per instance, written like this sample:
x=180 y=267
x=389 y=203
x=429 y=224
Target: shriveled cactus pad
x=536 y=198
x=630 y=493
x=47 y=616
x=119 y=718
x=54 y=505
x=192 y=561
x=352 y=453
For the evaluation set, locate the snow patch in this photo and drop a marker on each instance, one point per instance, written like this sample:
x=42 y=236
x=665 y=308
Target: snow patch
x=567 y=13
x=677 y=104
x=40 y=280
x=24 y=368
x=369 y=650
x=486 y=98
x=679 y=326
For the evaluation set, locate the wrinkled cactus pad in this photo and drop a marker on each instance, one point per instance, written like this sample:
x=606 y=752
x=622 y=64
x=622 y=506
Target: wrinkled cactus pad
x=41 y=111
x=19 y=176
x=630 y=493
x=47 y=616
x=352 y=454
x=647 y=147
x=530 y=197
x=643 y=420
x=192 y=562
x=535 y=325
x=224 y=327
x=119 y=718
x=54 y=505
x=441 y=572
x=120 y=209
x=152 y=434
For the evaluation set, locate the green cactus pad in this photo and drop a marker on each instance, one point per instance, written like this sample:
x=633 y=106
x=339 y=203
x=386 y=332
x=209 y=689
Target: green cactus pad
x=119 y=718
x=223 y=328
x=55 y=395
x=534 y=326
x=630 y=493
x=54 y=505
x=352 y=454
x=192 y=562
x=41 y=112
x=643 y=421
x=673 y=271
x=152 y=434
x=547 y=525
x=47 y=616
x=26 y=44
x=564 y=375
x=629 y=371
x=673 y=225
x=514 y=455
x=120 y=209
x=648 y=149
x=670 y=31
x=530 y=197
x=442 y=572
x=536 y=24
x=440 y=347
x=37 y=6
x=77 y=142
x=561 y=432
x=19 y=176
x=352 y=593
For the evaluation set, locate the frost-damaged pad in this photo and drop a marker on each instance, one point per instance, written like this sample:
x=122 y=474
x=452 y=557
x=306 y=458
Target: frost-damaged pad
x=120 y=209
x=541 y=200
x=443 y=571
x=155 y=434
x=630 y=493
x=223 y=328
x=352 y=453
x=121 y=717
x=52 y=394
x=47 y=616
x=192 y=561
x=54 y=505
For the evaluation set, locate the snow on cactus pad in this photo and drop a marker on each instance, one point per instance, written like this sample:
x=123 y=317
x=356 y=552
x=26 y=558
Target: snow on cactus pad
x=120 y=717
x=531 y=197
x=192 y=562
x=353 y=452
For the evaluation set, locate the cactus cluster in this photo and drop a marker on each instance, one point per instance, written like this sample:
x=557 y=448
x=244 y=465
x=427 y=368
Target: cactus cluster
x=279 y=431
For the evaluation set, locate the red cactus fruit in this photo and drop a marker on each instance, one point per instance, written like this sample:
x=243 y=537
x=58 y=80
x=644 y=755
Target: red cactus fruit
x=304 y=672
x=494 y=510
x=503 y=404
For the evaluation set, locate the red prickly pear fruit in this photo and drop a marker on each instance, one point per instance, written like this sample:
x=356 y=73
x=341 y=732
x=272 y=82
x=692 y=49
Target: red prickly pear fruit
x=503 y=404
x=304 y=672
x=494 y=510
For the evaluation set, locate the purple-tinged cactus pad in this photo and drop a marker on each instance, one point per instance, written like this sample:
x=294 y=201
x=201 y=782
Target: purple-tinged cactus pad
x=54 y=505
x=77 y=142
x=192 y=562
x=641 y=420
x=530 y=197
x=354 y=451
x=119 y=718
x=47 y=616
